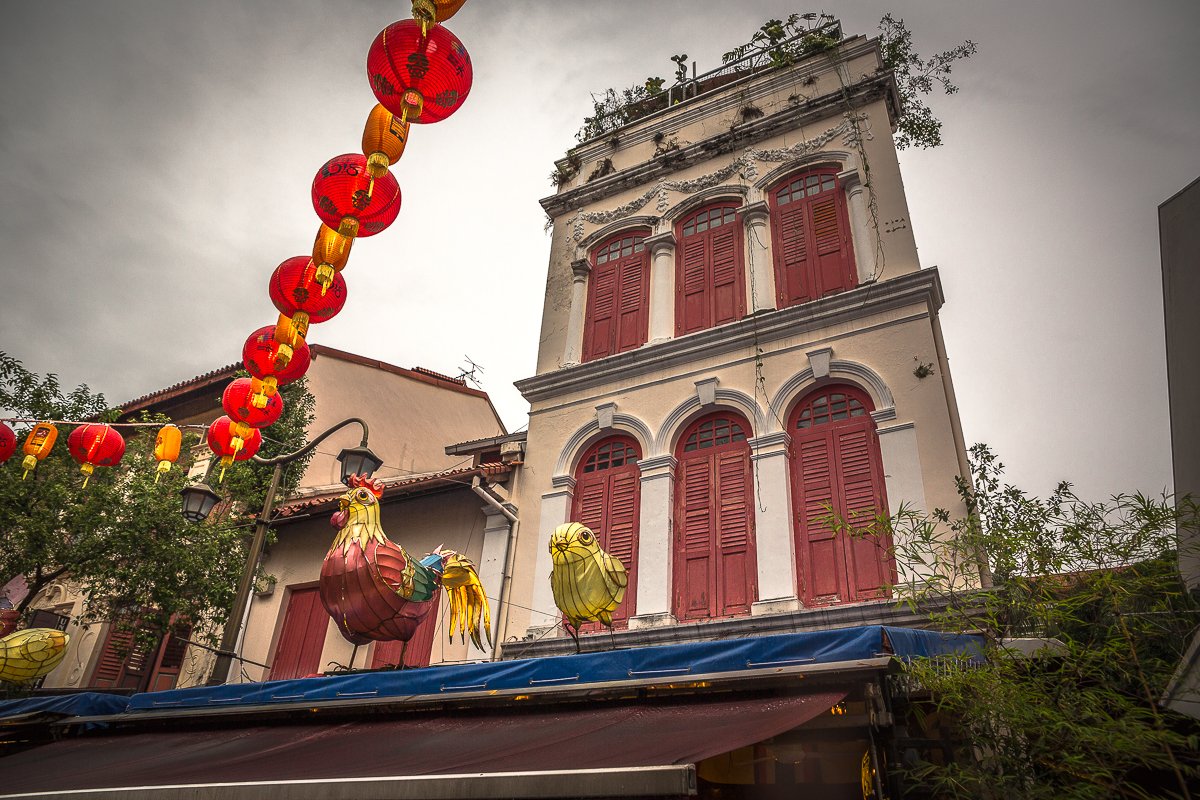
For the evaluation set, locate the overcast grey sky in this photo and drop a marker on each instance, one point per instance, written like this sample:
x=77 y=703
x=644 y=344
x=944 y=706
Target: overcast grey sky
x=156 y=158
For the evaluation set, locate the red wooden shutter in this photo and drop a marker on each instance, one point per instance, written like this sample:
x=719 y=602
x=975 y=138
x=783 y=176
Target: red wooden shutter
x=303 y=636
x=606 y=500
x=822 y=575
x=696 y=575
x=112 y=657
x=601 y=312
x=420 y=647
x=792 y=248
x=735 y=509
x=831 y=243
x=727 y=299
x=868 y=559
x=621 y=536
x=632 y=303
x=693 y=289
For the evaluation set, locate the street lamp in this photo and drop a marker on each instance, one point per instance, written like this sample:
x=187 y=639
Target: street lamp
x=197 y=505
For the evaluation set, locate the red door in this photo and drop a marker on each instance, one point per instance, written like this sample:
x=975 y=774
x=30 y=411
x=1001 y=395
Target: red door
x=420 y=647
x=715 y=565
x=607 y=493
x=837 y=479
x=710 y=289
x=617 y=317
x=303 y=636
x=810 y=230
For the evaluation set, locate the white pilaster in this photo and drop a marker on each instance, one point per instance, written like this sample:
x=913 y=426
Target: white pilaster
x=654 y=544
x=773 y=530
x=556 y=509
x=860 y=225
x=497 y=531
x=572 y=351
x=760 y=271
x=662 y=286
x=902 y=479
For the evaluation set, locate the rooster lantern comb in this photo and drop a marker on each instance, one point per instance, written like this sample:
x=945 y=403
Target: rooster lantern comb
x=365 y=482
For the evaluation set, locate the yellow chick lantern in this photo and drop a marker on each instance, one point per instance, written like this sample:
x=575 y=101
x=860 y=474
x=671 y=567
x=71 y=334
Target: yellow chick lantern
x=29 y=654
x=588 y=583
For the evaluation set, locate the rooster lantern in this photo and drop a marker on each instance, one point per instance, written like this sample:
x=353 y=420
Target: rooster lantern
x=376 y=591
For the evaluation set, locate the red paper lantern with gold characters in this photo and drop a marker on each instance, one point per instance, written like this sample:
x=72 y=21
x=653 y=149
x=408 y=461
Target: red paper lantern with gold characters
x=94 y=446
x=295 y=292
x=238 y=402
x=350 y=201
x=262 y=356
x=8 y=442
x=419 y=76
x=232 y=441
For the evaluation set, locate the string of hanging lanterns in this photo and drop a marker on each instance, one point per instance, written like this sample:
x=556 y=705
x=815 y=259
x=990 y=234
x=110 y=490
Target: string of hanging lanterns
x=420 y=73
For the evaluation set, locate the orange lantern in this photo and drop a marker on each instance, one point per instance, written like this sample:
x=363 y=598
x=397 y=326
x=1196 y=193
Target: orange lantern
x=37 y=445
x=383 y=140
x=232 y=441
x=431 y=12
x=330 y=252
x=166 y=449
x=95 y=446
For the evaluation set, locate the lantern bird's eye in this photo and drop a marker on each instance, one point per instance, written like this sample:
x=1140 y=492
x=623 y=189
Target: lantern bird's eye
x=585 y=537
x=362 y=494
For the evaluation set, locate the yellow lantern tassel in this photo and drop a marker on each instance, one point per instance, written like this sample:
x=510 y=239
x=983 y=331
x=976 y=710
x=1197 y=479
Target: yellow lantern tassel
x=87 y=470
x=29 y=462
x=225 y=462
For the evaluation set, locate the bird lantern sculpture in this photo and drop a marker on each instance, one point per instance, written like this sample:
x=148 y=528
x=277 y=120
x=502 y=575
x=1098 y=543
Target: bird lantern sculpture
x=166 y=449
x=376 y=591
x=588 y=583
x=296 y=293
x=350 y=201
x=419 y=73
x=95 y=446
x=38 y=445
x=232 y=441
x=29 y=654
x=8 y=442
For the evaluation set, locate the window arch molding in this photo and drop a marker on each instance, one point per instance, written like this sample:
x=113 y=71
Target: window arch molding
x=852 y=373
x=713 y=194
x=834 y=159
x=687 y=412
x=646 y=225
x=587 y=435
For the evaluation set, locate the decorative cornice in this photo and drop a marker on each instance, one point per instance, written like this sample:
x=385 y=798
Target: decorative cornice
x=755 y=212
x=581 y=268
x=562 y=482
x=922 y=286
x=740 y=137
x=658 y=464
x=660 y=240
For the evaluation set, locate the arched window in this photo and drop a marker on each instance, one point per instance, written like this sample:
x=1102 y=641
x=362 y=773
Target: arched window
x=606 y=500
x=715 y=571
x=837 y=480
x=617 y=315
x=810 y=233
x=710 y=289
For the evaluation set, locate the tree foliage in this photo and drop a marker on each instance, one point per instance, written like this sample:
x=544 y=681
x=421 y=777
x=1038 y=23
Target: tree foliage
x=1099 y=582
x=122 y=541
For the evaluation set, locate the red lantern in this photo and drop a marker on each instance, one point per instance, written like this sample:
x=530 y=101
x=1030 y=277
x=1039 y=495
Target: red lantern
x=272 y=361
x=419 y=77
x=232 y=441
x=238 y=402
x=8 y=442
x=295 y=292
x=350 y=201
x=95 y=446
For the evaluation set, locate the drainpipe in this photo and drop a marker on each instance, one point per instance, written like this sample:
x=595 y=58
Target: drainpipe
x=489 y=497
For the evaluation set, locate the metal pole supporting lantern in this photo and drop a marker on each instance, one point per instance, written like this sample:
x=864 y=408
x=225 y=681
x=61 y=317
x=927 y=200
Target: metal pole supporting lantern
x=199 y=500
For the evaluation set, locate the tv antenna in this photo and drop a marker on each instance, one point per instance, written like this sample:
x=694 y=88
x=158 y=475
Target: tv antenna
x=470 y=374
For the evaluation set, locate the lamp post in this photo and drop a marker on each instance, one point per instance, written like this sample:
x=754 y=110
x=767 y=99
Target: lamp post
x=199 y=500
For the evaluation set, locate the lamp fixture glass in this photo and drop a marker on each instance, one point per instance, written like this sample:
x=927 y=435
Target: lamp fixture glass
x=198 y=502
x=358 y=461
